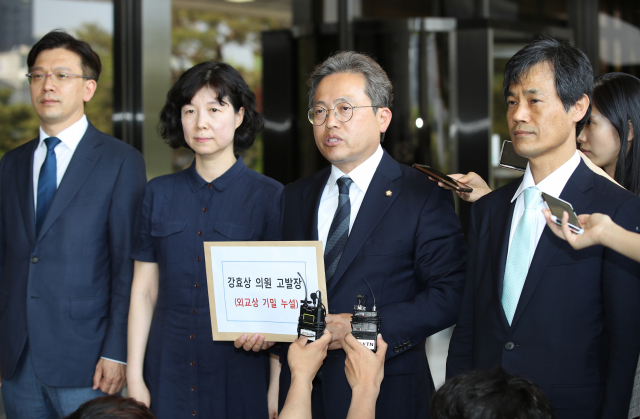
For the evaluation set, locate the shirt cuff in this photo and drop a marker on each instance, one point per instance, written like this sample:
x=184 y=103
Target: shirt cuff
x=114 y=360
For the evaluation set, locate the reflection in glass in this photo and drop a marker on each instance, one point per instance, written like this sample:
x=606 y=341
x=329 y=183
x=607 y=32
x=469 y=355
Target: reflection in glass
x=619 y=44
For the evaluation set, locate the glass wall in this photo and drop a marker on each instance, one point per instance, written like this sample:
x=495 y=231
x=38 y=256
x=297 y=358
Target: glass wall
x=91 y=21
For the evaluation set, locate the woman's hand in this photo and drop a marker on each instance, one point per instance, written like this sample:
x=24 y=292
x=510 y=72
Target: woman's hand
x=138 y=390
x=472 y=180
x=254 y=343
x=594 y=226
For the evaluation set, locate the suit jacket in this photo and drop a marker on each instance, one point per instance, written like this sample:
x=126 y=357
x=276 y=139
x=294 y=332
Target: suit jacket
x=575 y=330
x=67 y=289
x=407 y=242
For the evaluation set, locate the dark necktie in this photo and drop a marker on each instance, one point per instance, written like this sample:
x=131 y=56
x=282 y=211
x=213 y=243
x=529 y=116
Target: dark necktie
x=47 y=182
x=339 y=230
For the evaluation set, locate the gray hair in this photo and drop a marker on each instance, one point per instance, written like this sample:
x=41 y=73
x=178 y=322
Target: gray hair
x=377 y=84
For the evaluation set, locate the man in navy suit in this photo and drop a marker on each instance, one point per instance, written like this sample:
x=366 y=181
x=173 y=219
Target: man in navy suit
x=566 y=320
x=380 y=221
x=67 y=202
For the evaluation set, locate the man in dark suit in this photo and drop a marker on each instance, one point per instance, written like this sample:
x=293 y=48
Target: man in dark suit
x=380 y=221
x=564 y=319
x=67 y=202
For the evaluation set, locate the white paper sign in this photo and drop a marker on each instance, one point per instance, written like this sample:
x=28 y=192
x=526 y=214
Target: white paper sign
x=256 y=287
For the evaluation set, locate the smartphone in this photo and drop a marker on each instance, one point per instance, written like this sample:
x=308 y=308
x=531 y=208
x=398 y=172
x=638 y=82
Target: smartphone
x=511 y=160
x=557 y=206
x=441 y=177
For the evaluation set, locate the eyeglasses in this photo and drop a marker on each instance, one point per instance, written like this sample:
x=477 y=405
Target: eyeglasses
x=343 y=113
x=57 y=77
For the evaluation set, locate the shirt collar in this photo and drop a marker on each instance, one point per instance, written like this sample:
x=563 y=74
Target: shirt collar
x=362 y=174
x=552 y=184
x=70 y=136
x=222 y=182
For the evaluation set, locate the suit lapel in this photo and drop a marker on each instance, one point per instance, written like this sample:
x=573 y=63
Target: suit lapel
x=374 y=205
x=577 y=189
x=311 y=203
x=24 y=180
x=84 y=158
x=576 y=193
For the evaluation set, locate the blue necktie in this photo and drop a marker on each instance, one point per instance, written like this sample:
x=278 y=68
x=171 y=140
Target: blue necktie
x=47 y=182
x=523 y=245
x=339 y=230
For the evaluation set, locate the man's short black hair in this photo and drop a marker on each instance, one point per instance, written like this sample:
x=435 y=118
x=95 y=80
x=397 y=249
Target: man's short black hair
x=112 y=407
x=490 y=395
x=570 y=66
x=227 y=84
x=90 y=61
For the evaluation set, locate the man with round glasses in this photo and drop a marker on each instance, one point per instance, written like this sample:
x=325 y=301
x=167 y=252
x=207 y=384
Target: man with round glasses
x=381 y=223
x=67 y=202
x=343 y=112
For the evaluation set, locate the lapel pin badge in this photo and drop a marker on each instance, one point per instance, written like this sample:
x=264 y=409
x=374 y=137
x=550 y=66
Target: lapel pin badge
x=388 y=193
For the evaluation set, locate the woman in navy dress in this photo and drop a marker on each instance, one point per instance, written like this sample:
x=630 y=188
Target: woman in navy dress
x=174 y=366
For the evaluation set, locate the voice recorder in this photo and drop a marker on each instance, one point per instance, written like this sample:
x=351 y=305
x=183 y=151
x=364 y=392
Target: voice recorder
x=311 y=322
x=365 y=325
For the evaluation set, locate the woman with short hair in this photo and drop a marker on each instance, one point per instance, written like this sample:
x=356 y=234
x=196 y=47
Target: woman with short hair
x=173 y=364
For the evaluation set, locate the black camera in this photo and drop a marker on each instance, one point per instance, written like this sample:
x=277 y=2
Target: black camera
x=365 y=325
x=311 y=323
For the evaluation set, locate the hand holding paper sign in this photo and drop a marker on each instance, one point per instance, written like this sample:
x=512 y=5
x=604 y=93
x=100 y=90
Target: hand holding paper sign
x=254 y=343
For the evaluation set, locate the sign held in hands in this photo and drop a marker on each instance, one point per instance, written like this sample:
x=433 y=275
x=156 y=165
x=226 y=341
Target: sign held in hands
x=254 y=287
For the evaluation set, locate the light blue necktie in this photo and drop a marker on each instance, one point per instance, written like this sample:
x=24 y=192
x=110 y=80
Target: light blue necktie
x=47 y=181
x=523 y=245
x=339 y=229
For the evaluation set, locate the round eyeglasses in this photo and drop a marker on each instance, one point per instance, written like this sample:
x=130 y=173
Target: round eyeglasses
x=57 y=77
x=343 y=113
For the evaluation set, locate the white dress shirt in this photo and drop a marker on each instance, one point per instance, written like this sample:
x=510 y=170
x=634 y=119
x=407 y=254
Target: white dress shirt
x=361 y=177
x=552 y=185
x=69 y=139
